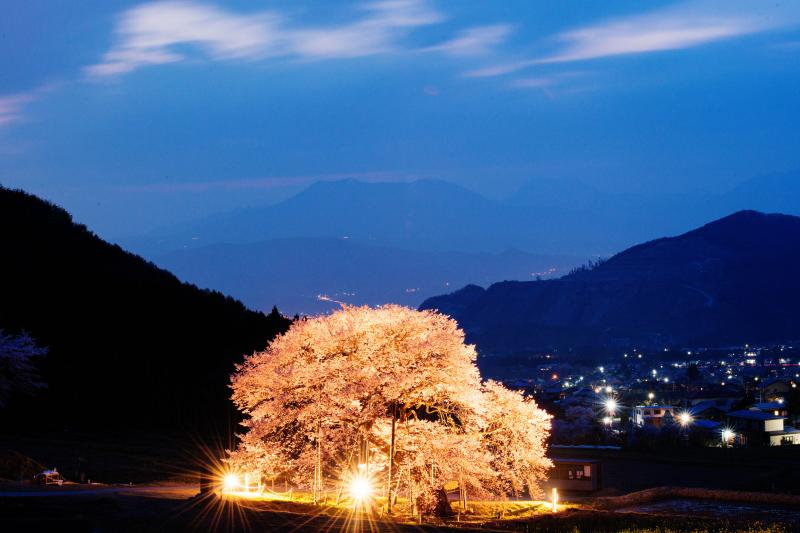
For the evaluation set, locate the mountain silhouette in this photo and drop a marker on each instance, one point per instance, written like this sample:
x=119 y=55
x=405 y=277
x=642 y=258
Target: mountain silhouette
x=731 y=281
x=129 y=344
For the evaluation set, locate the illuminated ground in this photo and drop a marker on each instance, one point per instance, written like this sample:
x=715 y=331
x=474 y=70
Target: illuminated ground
x=174 y=508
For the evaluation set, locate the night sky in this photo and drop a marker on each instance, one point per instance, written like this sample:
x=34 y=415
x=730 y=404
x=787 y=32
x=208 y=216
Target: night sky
x=136 y=115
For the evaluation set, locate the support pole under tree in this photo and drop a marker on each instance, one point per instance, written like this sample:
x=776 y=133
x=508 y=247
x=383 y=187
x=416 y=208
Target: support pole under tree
x=391 y=458
x=318 y=493
x=462 y=499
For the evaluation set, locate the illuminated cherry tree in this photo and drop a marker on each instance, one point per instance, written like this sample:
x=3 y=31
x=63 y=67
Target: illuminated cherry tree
x=326 y=398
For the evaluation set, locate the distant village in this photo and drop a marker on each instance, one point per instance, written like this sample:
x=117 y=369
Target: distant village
x=745 y=396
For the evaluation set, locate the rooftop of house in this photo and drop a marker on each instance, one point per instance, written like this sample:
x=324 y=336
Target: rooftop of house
x=767 y=406
x=699 y=407
x=706 y=424
x=753 y=414
x=787 y=430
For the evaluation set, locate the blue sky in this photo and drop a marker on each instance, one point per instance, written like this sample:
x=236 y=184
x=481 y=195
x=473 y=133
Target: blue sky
x=138 y=114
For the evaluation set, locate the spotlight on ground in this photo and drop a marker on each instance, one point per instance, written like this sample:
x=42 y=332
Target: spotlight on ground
x=360 y=488
x=230 y=482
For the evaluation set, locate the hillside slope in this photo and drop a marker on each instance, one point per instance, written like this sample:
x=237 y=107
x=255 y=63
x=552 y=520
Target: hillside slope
x=293 y=273
x=130 y=345
x=734 y=280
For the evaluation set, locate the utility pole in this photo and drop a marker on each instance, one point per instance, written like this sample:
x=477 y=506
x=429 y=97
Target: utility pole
x=391 y=457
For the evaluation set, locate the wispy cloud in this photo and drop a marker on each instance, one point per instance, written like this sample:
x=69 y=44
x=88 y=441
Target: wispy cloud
x=673 y=28
x=13 y=105
x=479 y=40
x=159 y=32
x=679 y=26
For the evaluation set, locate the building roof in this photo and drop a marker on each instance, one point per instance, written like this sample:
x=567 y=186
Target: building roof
x=699 y=407
x=654 y=407
x=705 y=424
x=766 y=406
x=567 y=460
x=754 y=415
x=771 y=381
x=787 y=430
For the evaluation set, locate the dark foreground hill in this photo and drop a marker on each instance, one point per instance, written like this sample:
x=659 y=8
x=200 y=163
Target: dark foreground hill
x=129 y=344
x=732 y=281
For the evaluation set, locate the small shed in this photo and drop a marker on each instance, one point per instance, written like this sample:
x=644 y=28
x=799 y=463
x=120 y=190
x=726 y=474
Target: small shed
x=568 y=474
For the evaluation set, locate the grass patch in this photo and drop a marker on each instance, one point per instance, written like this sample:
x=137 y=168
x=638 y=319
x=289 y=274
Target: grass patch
x=665 y=493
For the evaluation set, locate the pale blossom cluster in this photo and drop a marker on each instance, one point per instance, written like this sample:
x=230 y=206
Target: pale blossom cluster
x=333 y=386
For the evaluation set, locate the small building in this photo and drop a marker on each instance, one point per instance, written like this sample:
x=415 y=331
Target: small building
x=575 y=475
x=777 y=408
x=775 y=388
x=711 y=410
x=758 y=428
x=653 y=415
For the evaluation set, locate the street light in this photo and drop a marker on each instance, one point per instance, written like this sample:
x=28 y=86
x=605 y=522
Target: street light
x=727 y=436
x=360 y=488
x=685 y=418
x=611 y=406
x=230 y=482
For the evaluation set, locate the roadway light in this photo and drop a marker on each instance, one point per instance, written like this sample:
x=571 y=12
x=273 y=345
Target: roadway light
x=685 y=418
x=650 y=396
x=727 y=436
x=609 y=390
x=230 y=482
x=360 y=488
x=611 y=406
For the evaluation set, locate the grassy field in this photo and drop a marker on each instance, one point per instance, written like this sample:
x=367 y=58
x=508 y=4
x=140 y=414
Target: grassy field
x=634 y=484
x=162 y=512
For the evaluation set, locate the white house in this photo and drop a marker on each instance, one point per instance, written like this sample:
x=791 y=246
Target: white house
x=754 y=427
x=652 y=415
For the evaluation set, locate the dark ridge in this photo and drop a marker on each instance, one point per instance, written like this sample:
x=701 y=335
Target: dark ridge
x=129 y=344
x=731 y=281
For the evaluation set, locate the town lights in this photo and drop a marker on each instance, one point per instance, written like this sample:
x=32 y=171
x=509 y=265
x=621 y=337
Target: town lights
x=611 y=406
x=555 y=500
x=727 y=436
x=650 y=396
x=230 y=482
x=607 y=420
x=360 y=488
x=685 y=418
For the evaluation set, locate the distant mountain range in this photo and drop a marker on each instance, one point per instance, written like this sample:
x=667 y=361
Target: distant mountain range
x=129 y=344
x=732 y=281
x=309 y=275
x=402 y=242
x=549 y=217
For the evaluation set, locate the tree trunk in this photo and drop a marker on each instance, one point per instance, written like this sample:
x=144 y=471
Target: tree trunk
x=442 y=505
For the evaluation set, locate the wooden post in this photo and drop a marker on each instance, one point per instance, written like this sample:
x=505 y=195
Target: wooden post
x=391 y=458
x=318 y=493
x=461 y=498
